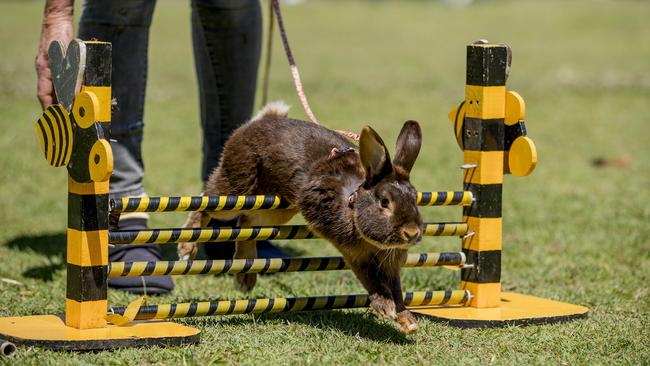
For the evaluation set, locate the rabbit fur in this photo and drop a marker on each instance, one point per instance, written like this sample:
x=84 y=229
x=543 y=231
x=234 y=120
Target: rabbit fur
x=355 y=197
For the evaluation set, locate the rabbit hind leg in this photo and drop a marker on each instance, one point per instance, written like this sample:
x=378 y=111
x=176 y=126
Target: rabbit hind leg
x=248 y=249
x=188 y=250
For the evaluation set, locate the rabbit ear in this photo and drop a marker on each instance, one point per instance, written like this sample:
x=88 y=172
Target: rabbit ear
x=408 y=147
x=374 y=156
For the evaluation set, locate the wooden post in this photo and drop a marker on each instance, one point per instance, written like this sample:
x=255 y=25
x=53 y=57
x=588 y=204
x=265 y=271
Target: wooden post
x=88 y=187
x=483 y=145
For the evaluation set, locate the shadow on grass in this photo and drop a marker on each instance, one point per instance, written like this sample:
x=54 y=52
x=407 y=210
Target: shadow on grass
x=353 y=324
x=51 y=246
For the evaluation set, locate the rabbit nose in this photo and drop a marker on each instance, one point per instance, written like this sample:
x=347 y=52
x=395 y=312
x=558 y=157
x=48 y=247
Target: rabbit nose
x=411 y=233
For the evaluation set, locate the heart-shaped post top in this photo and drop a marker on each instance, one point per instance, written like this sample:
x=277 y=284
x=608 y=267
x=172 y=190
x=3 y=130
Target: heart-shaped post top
x=67 y=66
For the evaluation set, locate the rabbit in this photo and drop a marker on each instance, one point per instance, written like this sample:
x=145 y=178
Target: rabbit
x=356 y=198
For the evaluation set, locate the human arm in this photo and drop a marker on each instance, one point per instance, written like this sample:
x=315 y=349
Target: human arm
x=57 y=25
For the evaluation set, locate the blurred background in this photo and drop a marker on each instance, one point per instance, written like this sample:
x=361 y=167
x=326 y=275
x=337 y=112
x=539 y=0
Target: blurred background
x=577 y=229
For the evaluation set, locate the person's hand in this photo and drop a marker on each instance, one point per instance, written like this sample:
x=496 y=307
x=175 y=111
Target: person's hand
x=57 y=25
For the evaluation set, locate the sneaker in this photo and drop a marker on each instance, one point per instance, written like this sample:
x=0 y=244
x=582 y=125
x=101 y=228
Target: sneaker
x=132 y=253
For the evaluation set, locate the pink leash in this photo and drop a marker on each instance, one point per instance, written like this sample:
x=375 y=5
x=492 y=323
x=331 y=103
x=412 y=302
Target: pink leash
x=294 y=70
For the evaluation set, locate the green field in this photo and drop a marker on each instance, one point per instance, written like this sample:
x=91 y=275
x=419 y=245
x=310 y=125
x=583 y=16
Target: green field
x=572 y=231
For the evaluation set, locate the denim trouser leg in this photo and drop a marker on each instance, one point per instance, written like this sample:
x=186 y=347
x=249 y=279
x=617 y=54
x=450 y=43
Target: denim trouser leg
x=125 y=24
x=226 y=35
x=227 y=38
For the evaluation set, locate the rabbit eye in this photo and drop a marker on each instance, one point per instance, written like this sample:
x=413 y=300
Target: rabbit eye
x=384 y=202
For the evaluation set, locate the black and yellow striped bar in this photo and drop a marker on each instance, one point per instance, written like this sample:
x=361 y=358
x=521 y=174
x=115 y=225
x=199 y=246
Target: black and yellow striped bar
x=445 y=229
x=289 y=304
x=221 y=234
x=204 y=235
x=198 y=203
x=254 y=202
x=267 y=265
x=460 y=198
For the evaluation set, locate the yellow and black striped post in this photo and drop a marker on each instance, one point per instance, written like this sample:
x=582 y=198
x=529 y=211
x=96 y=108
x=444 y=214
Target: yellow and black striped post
x=483 y=144
x=88 y=187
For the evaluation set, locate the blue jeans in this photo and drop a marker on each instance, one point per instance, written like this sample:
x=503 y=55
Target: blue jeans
x=226 y=37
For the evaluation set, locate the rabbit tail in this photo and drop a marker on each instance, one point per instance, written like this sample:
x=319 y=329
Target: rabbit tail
x=273 y=110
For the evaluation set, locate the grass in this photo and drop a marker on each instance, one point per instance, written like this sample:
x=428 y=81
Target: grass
x=573 y=232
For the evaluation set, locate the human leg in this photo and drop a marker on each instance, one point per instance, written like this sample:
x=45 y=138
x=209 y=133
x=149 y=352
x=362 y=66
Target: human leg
x=227 y=38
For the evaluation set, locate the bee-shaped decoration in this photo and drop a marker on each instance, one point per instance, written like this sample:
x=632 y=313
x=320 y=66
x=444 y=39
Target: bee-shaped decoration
x=70 y=132
x=520 y=155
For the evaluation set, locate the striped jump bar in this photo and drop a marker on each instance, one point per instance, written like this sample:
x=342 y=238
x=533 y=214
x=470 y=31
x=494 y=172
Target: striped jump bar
x=283 y=305
x=261 y=202
x=267 y=265
x=221 y=234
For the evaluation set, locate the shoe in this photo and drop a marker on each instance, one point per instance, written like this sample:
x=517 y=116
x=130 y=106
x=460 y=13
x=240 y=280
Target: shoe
x=132 y=253
x=226 y=250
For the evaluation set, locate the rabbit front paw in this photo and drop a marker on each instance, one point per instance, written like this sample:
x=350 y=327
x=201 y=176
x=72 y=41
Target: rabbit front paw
x=384 y=307
x=407 y=321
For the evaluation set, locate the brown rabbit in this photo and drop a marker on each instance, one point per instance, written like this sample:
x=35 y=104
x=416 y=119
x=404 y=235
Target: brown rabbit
x=356 y=198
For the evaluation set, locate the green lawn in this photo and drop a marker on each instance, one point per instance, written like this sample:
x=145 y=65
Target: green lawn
x=573 y=232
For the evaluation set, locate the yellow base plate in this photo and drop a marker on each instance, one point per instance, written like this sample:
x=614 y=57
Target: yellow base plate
x=515 y=309
x=50 y=331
